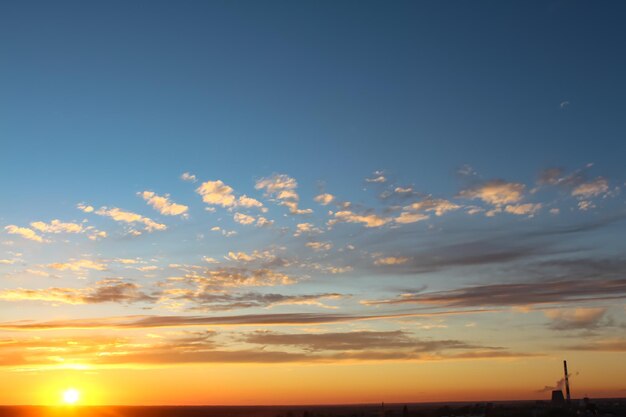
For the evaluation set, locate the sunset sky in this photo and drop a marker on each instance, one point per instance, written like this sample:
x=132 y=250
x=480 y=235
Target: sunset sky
x=275 y=202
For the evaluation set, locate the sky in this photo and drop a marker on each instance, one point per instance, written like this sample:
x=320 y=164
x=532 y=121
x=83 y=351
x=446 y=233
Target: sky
x=238 y=202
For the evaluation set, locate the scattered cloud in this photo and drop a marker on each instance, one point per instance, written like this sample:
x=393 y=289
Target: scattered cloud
x=319 y=246
x=109 y=290
x=282 y=188
x=495 y=192
x=527 y=209
x=391 y=260
x=591 y=189
x=57 y=226
x=324 y=199
x=368 y=220
x=378 y=177
x=129 y=217
x=163 y=204
x=79 y=265
x=24 y=232
x=186 y=176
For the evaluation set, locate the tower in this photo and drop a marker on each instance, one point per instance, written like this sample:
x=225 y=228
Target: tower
x=567 y=395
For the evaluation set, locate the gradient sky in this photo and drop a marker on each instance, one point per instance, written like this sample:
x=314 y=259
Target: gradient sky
x=238 y=202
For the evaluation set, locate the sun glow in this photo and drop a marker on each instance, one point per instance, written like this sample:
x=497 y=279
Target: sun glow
x=71 y=396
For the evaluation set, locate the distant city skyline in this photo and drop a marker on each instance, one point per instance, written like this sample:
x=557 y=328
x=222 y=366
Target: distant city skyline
x=311 y=203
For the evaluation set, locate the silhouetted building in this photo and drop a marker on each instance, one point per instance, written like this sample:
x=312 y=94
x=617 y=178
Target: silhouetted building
x=557 y=397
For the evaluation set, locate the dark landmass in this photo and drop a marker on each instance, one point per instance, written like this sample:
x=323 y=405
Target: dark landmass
x=602 y=407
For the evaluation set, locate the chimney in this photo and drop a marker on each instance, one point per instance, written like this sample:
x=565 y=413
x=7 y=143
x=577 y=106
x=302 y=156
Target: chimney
x=567 y=395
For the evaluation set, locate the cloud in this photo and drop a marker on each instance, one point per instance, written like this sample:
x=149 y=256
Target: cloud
x=248 y=202
x=495 y=192
x=606 y=345
x=245 y=219
x=497 y=295
x=391 y=260
x=591 y=189
x=306 y=229
x=226 y=233
x=416 y=211
x=403 y=190
x=56 y=226
x=267 y=256
x=129 y=217
x=110 y=290
x=85 y=208
x=25 y=232
x=186 y=176
x=369 y=220
x=490 y=251
x=324 y=199
x=282 y=188
x=218 y=301
x=528 y=209
x=278 y=319
x=378 y=177
x=217 y=193
x=356 y=340
x=319 y=246
x=231 y=277
x=577 y=318
x=163 y=205
x=78 y=265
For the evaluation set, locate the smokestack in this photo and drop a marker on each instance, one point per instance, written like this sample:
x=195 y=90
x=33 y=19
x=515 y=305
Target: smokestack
x=567 y=395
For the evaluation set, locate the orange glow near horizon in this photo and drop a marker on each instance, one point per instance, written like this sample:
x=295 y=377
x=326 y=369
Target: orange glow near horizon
x=246 y=384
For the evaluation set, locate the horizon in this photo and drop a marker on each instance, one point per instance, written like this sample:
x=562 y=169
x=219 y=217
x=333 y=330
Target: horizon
x=233 y=203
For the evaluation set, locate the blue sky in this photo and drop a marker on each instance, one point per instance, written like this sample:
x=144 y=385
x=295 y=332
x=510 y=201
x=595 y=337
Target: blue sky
x=349 y=156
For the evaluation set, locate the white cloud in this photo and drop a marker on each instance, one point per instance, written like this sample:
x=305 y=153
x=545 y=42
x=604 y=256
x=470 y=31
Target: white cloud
x=411 y=217
x=523 y=209
x=25 y=232
x=369 y=220
x=283 y=188
x=324 y=199
x=57 y=226
x=217 y=193
x=590 y=189
x=391 y=260
x=130 y=217
x=243 y=218
x=306 y=228
x=496 y=192
x=319 y=246
x=186 y=176
x=163 y=204
x=78 y=265
x=377 y=177
x=416 y=212
x=85 y=207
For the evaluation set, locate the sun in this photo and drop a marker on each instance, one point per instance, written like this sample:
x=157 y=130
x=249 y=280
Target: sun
x=71 y=396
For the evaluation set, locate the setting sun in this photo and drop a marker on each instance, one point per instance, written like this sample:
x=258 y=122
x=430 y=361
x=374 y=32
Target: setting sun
x=71 y=396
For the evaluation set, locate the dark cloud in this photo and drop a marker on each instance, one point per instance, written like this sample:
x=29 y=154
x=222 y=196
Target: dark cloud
x=236 y=320
x=517 y=294
x=108 y=290
x=201 y=347
x=228 y=301
x=609 y=345
x=360 y=340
